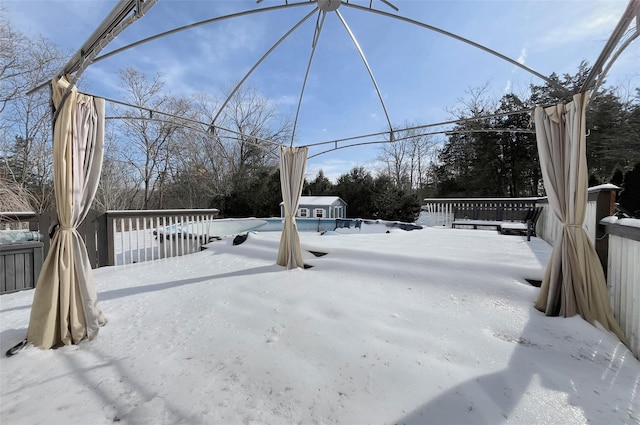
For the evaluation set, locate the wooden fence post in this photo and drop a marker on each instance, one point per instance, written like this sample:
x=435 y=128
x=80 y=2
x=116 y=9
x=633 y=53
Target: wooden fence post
x=109 y=240
x=605 y=196
x=102 y=242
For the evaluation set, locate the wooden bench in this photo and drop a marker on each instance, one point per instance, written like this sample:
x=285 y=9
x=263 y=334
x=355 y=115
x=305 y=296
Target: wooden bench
x=506 y=221
x=526 y=227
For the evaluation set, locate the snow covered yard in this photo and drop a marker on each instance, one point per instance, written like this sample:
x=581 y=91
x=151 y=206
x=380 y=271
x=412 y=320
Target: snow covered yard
x=434 y=326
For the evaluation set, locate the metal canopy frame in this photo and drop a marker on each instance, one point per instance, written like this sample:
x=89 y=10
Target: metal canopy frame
x=126 y=12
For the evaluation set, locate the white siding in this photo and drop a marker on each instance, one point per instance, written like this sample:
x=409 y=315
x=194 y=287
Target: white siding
x=549 y=227
x=623 y=281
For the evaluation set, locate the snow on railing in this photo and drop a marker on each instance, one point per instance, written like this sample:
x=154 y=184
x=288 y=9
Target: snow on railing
x=135 y=236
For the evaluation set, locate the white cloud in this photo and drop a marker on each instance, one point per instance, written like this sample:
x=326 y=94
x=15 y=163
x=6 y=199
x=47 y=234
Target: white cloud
x=287 y=100
x=521 y=60
x=523 y=56
x=331 y=167
x=507 y=88
x=592 y=23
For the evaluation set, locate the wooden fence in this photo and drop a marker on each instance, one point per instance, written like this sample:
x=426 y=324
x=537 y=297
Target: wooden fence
x=124 y=237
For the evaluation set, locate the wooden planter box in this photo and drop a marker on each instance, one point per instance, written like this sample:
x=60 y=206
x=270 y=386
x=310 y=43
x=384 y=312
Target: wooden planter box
x=20 y=266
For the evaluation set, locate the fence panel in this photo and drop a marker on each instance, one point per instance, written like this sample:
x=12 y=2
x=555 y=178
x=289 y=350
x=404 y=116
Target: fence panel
x=441 y=210
x=623 y=278
x=136 y=236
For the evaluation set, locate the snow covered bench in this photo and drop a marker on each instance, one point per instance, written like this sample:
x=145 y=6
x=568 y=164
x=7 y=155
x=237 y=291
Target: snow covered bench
x=526 y=227
x=512 y=221
x=18 y=236
x=476 y=223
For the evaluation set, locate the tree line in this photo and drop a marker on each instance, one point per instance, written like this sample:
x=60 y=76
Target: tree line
x=497 y=156
x=170 y=151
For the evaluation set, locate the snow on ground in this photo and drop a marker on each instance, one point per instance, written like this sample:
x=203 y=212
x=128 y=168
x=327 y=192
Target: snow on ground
x=432 y=326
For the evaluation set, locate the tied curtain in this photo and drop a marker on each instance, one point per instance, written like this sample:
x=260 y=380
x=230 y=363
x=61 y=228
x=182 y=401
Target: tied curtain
x=574 y=282
x=293 y=162
x=64 y=309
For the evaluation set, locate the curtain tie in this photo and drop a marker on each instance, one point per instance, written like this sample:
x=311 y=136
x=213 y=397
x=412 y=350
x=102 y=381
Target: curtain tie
x=573 y=225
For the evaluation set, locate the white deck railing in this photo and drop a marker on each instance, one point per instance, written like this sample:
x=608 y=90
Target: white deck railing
x=549 y=226
x=135 y=236
x=623 y=278
x=441 y=210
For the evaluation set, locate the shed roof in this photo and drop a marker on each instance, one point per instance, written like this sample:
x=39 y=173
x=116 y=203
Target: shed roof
x=319 y=200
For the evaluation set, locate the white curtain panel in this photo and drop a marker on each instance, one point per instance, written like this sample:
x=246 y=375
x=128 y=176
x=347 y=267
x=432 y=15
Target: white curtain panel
x=574 y=282
x=293 y=162
x=64 y=309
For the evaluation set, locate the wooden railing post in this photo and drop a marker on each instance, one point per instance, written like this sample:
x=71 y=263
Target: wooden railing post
x=605 y=197
x=102 y=240
x=109 y=240
x=44 y=222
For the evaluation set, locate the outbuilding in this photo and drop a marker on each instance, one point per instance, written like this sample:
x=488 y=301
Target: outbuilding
x=319 y=207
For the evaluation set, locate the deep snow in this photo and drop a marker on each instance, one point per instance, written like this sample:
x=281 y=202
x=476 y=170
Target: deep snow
x=432 y=326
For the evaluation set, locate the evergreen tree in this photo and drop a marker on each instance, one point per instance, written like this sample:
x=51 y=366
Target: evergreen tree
x=480 y=159
x=613 y=126
x=356 y=188
x=393 y=203
x=630 y=195
x=518 y=150
x=321 y=186
x=617 y=178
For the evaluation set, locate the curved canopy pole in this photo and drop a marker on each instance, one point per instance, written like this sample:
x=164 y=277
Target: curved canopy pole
x=418 y=127
x=193 y=127
x=123 y=14
x=464 y=40
x=332 y=142
x=118 y=20
x=615 y=56
x=185 y=119
x=314 y=43
x=198 y=24
x=364 y=59
x=430 y=133
x=601 y=67
x=253 y=68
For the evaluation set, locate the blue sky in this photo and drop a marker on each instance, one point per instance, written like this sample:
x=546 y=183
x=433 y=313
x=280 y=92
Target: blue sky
x=421 y=74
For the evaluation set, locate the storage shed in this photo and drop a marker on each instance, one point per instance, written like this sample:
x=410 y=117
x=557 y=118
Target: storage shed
x=320 y=207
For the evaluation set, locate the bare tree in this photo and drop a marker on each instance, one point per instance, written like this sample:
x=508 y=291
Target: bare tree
x=117 y=189
x=477 y=103
x=149 y=139
x=12 y=61
x=13 y=197
x=220 y=159
x=25 y=128
x=394 y=157
x=408 y=157
x=255 y=125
